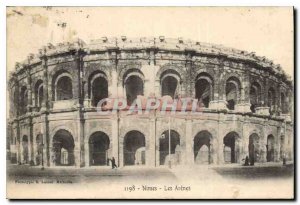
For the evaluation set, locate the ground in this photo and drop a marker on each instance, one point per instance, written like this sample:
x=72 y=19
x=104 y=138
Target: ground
x=271 y=180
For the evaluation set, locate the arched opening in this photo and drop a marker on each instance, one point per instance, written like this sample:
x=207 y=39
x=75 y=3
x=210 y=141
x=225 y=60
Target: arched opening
x=39 y=94
x=271 y=100
x=134 y=148
x=231 y=148
x=164 y=156
x=203 y=148
x=25 y=150
x=39 y=149
x=23 y=100
x=63 y=148
x=98 y=147
x=255 y=96
x=98 y=87
x=204 y=90
x=63 y=88
x=134 y=86
x=169 y=87
x=253 y=147
x=170 y=84
x=270 y=148
x=232 y=90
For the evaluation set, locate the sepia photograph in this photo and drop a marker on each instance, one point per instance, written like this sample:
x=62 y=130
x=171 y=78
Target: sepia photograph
x=150 y=103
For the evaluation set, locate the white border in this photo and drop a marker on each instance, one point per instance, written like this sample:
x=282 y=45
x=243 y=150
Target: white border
x=5 y=3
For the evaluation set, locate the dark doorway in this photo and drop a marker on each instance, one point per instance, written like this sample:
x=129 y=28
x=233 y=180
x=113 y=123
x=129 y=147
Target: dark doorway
x=134 y=148
x=203 y=148
x=98 y=147
x=169 y=86
x=231 y=148
x=253 y=148
x=134 y=86
x=232 y=90
x=99 y=90
x=203 y=92
x=270 y=148
x=164 y=148
x=63 y=148
x=255 y=96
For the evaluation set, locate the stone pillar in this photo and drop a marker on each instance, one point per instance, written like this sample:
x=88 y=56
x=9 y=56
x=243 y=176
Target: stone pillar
x=277 y=145
x=81 y=121
x=30 y=141
x=29 y=92
x=244 y=102
x=245 y=139
x=263 y=147
x=157 y=137
x=85 y=84
x=77 y=147
x=220 y=148
x=219 y=102
x=157 y=90
x=115 y=139
x=188 y=89
x=189 y=142
x=214 y=146
x=113 y=88
x=83 y=151
x=45 y=110
x=150 y=153
x=86 y=154
x=47 y=160
x=19 y=159
x=263 y=109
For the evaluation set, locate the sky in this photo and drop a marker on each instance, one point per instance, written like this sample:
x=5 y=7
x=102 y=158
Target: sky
x=268 y=31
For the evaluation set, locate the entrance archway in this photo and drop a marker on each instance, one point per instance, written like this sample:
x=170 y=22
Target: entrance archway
x=203 y=148
x=63 y=148
x=270 y=148
x=134 y=148
x=25 y=151
x=253 y=147
x=164 y=156
x=98 y=149
x=231 y=148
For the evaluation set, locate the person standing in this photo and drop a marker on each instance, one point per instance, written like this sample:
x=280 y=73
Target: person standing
x=113 y=163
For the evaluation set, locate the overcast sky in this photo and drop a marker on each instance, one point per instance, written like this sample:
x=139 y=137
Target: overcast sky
x=266 y=31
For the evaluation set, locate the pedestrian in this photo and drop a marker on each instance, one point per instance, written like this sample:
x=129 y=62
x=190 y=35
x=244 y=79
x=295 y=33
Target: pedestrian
x=113 y=163
x=284 y=160
x=246 y=161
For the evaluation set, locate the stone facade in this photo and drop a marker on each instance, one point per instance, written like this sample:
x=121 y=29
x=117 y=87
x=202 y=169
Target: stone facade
x=247 y=104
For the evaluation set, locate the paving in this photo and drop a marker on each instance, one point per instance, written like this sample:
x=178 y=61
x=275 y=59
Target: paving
x=202 y=173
